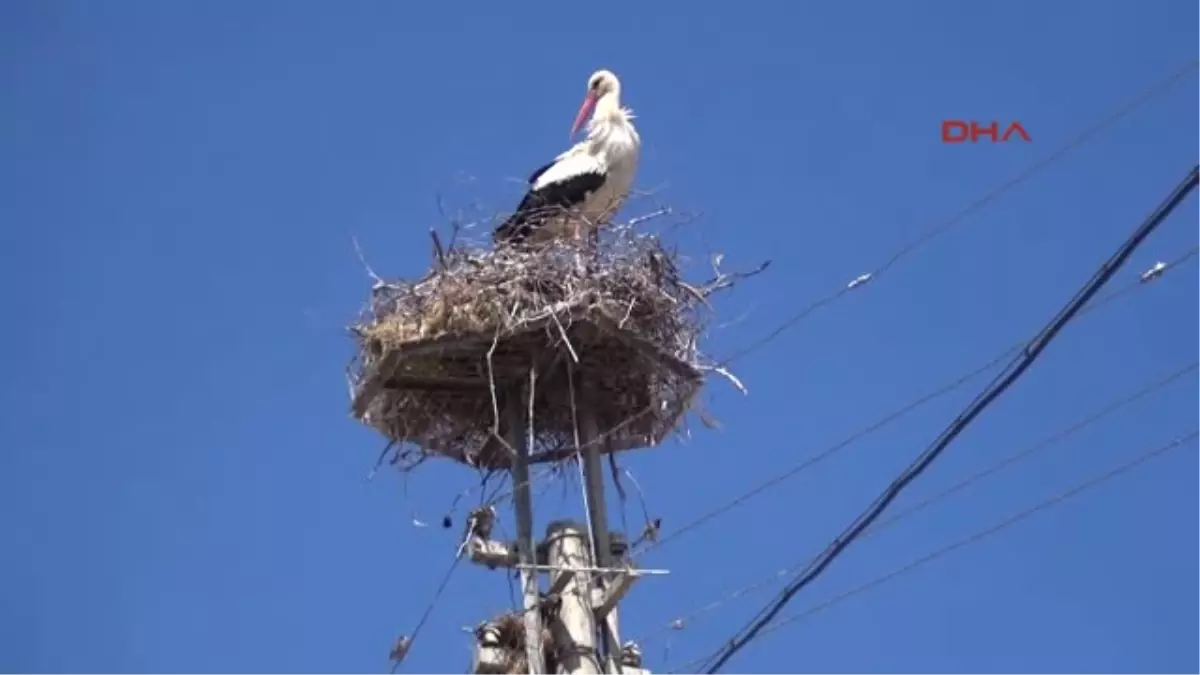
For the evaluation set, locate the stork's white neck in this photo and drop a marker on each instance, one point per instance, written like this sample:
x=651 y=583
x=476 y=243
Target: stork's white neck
x=608 y=107
x=609 y=117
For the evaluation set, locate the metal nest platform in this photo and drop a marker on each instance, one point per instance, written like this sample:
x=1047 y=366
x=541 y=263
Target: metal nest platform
x=440 y=359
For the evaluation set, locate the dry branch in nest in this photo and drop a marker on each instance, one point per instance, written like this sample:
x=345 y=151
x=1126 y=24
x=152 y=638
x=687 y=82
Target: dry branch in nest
x=439 y=358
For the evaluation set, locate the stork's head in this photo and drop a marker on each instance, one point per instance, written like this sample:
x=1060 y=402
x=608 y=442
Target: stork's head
x=603 y=84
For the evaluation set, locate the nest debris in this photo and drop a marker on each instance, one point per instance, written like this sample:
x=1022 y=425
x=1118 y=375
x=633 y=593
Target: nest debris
x=440 y=358
x=506 y=634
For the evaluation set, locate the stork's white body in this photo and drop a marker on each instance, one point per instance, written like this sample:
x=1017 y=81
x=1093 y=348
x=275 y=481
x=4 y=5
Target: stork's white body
x=585 y=186
x=611 y=151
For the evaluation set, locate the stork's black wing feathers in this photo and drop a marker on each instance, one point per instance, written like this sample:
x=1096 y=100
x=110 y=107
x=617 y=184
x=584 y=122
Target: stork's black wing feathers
x=538 y=204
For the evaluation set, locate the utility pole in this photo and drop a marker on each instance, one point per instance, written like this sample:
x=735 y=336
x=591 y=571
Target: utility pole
x=584 y=589
x=499 y=360
x=574 y=630
x=591 y=443
x=523 y=503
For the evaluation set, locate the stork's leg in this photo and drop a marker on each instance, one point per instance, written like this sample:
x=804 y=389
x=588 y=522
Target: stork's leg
x=593 y=250
x=586 y=251
x=578 y=246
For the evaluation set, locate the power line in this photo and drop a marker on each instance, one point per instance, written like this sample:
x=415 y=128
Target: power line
x=1028 y=452
x=1141 y=458
x=958 y=217
x=404 y=644
x=1159 y=270
x=1043 y=443
x=997 y=387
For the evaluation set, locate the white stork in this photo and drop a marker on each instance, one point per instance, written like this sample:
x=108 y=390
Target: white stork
x=591 y=180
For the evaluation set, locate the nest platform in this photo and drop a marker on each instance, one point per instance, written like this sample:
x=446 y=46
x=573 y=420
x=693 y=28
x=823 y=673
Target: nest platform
x=610 y=324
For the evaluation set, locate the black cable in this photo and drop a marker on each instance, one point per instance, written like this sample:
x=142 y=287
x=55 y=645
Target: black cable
x=998 y=386
x=971 y=539
x=1045 y=442
x=893 y=416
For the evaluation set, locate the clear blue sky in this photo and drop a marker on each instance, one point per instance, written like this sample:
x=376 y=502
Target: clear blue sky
x=181 y=486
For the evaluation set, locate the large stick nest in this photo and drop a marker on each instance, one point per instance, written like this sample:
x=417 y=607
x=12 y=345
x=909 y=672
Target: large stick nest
x=442 y=358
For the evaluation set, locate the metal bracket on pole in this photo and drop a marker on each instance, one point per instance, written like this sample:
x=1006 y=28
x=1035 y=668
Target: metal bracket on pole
x=614 y=592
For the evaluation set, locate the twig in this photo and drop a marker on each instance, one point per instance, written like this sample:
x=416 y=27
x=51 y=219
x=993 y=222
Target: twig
x=492 y=386
x=437 y=249
x=379 y=462
x=616 y=476
x=641 y=494
x=587 y=507
x=696 y=293
x=723 y=280
x=567 y=340
x=721 y=370
x=379 y=282
x=648 y=192
x=634 y=222
x=628 y=312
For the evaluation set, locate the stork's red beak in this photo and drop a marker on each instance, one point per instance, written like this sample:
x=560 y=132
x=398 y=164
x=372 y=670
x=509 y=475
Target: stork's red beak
x=585 y=111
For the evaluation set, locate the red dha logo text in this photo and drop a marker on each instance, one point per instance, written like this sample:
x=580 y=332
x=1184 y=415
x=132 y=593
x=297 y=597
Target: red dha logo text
x=957 y=131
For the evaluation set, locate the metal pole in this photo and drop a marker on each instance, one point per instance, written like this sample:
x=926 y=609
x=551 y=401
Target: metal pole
x=523 y=501
x=589 y=434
